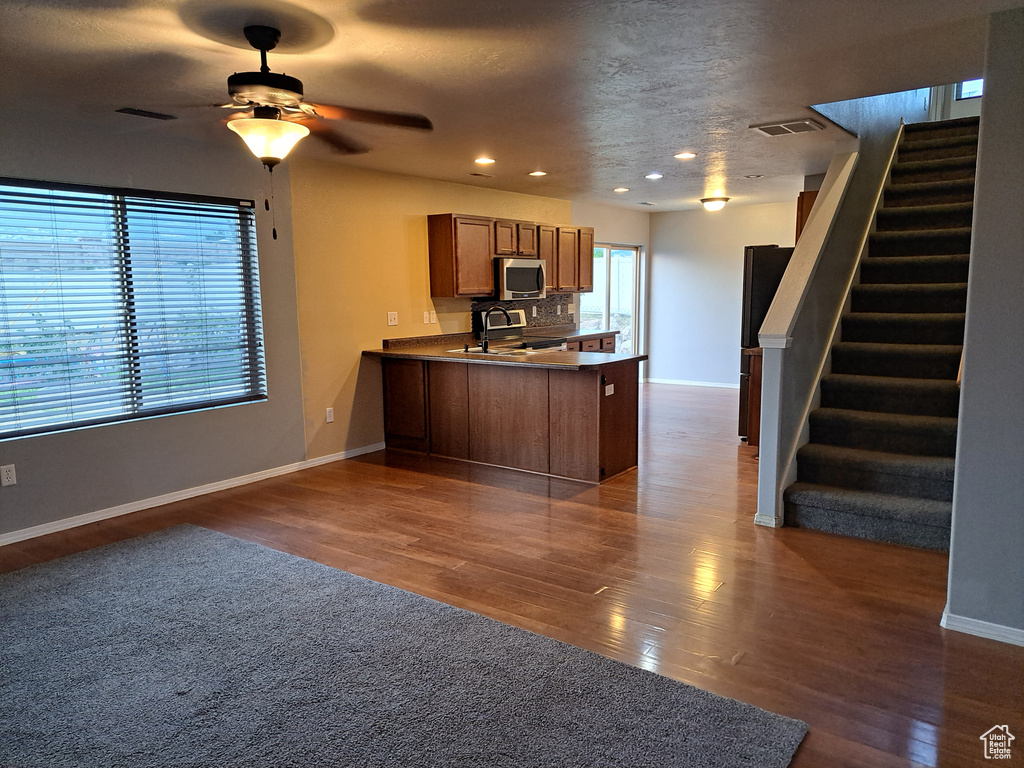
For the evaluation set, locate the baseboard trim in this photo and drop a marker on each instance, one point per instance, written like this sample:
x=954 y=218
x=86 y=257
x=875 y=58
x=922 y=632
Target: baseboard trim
x=981 y=628
x=685 y=383
x=768 y=521
x=188 y=493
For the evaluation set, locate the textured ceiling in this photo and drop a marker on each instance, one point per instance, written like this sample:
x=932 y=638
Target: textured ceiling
x=597 y=93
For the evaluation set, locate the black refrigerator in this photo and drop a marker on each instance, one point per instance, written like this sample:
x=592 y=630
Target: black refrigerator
x=763 y=267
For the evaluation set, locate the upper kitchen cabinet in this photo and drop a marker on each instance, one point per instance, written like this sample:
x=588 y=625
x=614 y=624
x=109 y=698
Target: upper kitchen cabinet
x=461 y=255
x=515 y=238
x=547 y=250
x=567 y=267
x=585 y=270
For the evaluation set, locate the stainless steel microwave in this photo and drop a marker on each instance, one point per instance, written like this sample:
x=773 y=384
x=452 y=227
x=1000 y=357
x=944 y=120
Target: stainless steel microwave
x=520 y=279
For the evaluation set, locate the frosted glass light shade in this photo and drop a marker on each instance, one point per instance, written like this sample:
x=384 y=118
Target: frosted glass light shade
x=269 y=140
x=714 y=203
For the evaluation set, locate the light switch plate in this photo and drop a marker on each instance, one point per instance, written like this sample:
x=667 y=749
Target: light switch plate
x=433 y=316
x=426 y=318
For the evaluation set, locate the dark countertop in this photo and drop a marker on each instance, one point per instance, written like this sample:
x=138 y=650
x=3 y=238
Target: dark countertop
x=570 y=332
x=551 y=359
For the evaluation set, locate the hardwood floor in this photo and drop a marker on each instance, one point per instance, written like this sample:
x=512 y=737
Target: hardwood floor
x=661 y=568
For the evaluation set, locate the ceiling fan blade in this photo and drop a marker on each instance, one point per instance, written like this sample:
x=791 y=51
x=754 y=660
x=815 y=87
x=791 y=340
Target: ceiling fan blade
x=399 y=119
x=325 y=133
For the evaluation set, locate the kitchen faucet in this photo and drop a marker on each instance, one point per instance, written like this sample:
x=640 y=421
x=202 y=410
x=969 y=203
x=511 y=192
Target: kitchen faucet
x=487 y=314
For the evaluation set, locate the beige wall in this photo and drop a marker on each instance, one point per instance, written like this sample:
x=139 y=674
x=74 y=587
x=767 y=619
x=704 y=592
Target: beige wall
x=696 y=283
x=360 y=240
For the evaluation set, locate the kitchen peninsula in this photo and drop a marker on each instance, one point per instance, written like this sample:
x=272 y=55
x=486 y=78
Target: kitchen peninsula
x=563 y=413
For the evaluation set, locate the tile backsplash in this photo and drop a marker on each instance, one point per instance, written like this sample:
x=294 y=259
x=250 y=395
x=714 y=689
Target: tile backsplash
x=547 y=309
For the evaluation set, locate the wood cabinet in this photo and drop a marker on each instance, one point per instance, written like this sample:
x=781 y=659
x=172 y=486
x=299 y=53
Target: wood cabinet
x=462 y=251
x=804 y=204
x=547 y=250
x=567 y=259
x=598 y=344
x=580 y=424
x=461 y=255
x=515 y=238
x=585 y=260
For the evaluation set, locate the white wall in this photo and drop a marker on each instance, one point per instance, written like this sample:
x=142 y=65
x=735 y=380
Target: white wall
x=986 y=559
x=696 y=288
x=618 y=226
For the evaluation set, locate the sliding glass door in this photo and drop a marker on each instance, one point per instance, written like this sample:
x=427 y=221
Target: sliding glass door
x=614 y=303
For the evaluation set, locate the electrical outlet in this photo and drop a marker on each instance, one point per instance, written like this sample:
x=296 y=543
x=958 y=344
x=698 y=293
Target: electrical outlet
x=426 y=318
x=609 y=390
x=534 y=310
x=572 y=308
x=558 y=309
x=433 y=316
x=7 y=476
x=330 y=415
x=392 y=318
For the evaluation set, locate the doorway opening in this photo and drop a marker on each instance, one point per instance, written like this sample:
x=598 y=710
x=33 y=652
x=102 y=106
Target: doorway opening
x=614 y=303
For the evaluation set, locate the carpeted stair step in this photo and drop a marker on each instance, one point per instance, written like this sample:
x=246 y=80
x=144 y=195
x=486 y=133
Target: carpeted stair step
x=945 y=169
x=904 y=327
x=959 y=126
x=909 y=297
x=889 y=432
x=921 y=523
x=928 y=477
x=938 y=148
x=904 y=361
x=920 y=242
x=929 y=193
x=943 y=268
x=937 y=216
x=890 y=394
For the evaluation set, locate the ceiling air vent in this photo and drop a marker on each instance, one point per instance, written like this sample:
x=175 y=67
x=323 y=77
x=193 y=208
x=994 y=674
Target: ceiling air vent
x=482 y=175
x=786 y=127
x=145 y=113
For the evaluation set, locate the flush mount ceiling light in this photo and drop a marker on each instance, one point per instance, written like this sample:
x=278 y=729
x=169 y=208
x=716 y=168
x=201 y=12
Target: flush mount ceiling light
x=538 y=173
x=714 y=203
x=268 y=136
x=484 y=160
x=754 y=176
x=685 y=156
x=654 y=176
x=621 y=189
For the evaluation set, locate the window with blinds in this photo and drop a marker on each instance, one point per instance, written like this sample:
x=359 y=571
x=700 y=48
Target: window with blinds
x=121 y=304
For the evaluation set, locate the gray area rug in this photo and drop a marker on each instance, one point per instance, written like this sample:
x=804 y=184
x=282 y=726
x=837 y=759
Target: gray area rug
x=189 y=647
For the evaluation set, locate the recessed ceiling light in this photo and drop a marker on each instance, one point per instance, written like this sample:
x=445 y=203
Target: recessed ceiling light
x=484 y=160
x=754 y=176
x=685 y=156
x=714 y=203
x=538 y=173
x=654 y=175
x=621 y=189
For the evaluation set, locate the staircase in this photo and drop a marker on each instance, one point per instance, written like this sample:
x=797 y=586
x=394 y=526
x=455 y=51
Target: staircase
x=879 y=464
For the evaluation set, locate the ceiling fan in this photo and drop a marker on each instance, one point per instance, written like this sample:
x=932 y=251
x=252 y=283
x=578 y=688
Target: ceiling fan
x=279 y=115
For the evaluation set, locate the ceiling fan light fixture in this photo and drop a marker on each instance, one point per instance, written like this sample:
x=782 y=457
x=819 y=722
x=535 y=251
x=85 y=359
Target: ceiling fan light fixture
x=714 y=203
x=269 y=138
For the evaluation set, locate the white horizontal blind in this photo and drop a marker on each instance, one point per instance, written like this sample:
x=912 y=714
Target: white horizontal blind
x=117 y=305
